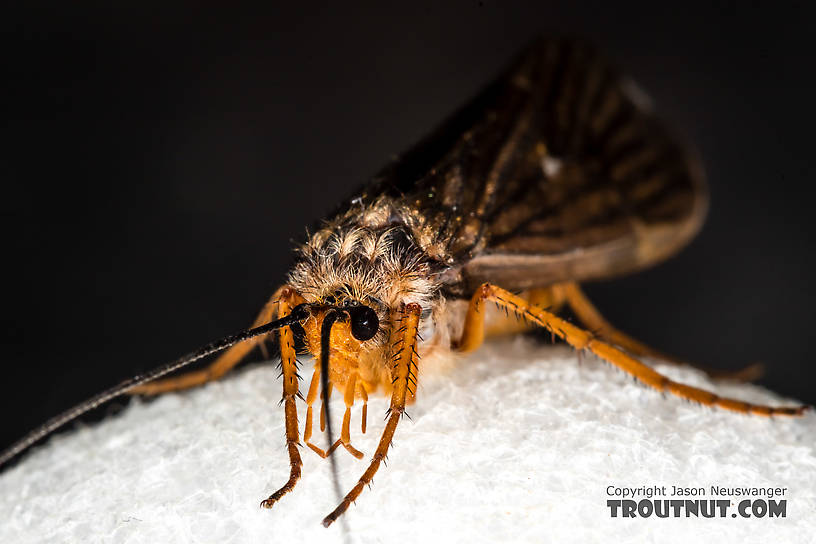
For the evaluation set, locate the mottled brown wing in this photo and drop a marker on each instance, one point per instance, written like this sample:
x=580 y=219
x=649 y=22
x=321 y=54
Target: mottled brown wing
x=556 y=171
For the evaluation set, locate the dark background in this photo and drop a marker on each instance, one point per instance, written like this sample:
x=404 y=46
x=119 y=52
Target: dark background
x=159 y=162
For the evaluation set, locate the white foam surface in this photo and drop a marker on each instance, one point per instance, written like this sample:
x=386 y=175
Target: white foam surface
x=518 y=444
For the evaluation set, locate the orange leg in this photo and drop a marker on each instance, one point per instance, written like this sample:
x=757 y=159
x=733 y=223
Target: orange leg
x=581 y=339
x=592 y=319
x=220 y=366
x=403 y=370
x=364 y=417
x=324 y=396
x=288 y=300
x=551 y=298
x=345 y=435
x=310 y=398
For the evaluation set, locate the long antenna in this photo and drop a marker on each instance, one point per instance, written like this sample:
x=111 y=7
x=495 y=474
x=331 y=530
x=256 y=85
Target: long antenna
x=325 y=347
x=329 y=319
x=297 y=315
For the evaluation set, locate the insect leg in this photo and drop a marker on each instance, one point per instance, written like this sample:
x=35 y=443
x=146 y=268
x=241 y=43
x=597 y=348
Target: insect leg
x=344 y=439
x=310 y=398
x=551 y=298
x=290 y=392
x=404 y=338
x=224 y=363
x=592 y=319
x=324 y=395
x=581 y=339
x=345 y=433
x=364 y=417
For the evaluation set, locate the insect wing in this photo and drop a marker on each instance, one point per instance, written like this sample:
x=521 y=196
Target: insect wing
x=556 y=171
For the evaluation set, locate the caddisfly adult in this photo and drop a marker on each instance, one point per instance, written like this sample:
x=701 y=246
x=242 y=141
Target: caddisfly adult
x=555 y=174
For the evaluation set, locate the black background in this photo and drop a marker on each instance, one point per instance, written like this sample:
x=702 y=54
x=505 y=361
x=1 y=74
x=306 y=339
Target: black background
x=159 y=162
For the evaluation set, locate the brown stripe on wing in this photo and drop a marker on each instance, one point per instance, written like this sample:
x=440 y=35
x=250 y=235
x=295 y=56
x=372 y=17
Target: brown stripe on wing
x=625 y=195
x=555 y=158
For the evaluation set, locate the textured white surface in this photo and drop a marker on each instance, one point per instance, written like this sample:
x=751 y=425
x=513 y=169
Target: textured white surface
x=518 y=445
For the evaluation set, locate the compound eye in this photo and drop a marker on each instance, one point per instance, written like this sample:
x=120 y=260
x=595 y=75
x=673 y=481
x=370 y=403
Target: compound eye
x=364 y=323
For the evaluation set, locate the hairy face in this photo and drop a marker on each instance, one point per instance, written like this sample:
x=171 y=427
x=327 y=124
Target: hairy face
x=365 y=274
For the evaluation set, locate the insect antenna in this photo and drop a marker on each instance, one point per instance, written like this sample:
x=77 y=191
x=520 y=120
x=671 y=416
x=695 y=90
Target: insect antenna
x=298 y=314
x=330 y=318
